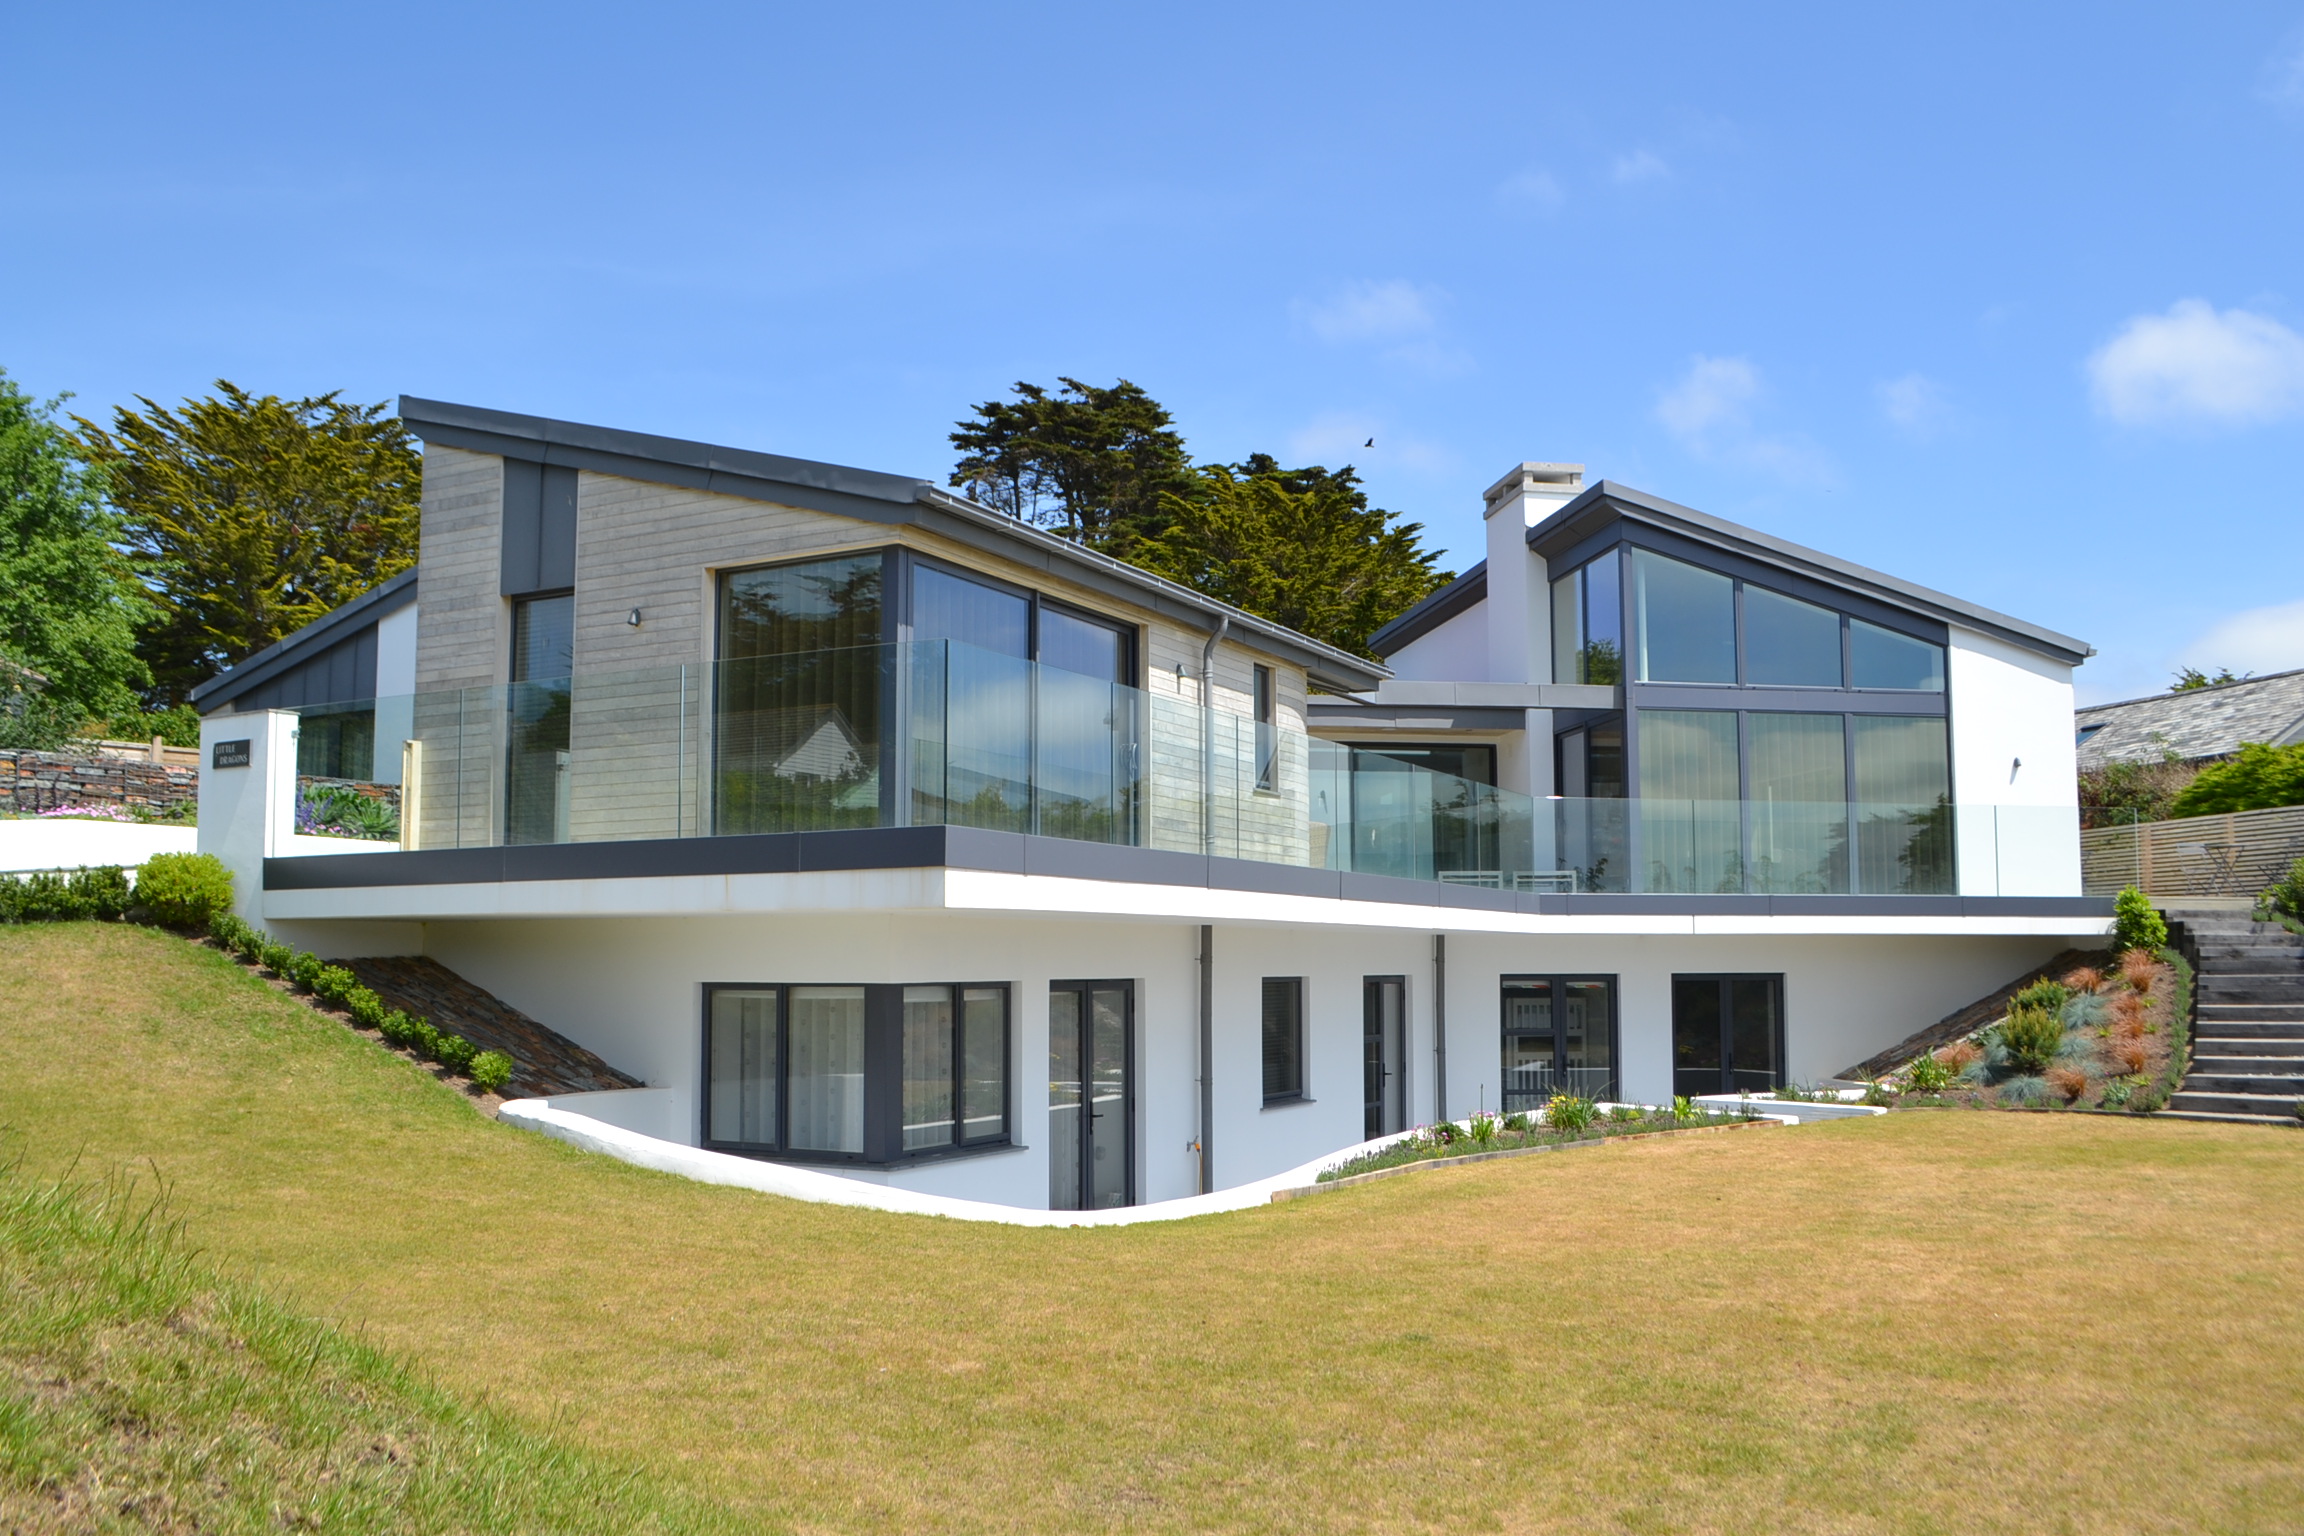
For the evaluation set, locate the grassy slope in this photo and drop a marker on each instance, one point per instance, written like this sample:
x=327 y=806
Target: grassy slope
x=1926 y=1322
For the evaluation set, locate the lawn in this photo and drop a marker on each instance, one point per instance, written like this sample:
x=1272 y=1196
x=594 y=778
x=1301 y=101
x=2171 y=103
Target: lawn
x=1921 y=1321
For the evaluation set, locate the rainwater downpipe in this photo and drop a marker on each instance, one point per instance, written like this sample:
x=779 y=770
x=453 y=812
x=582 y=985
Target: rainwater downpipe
x=1439 y=1026
x=1208 y=734
x=1207 y=1057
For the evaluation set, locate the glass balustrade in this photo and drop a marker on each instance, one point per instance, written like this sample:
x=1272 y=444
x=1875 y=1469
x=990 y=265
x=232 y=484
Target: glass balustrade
x=942 y=733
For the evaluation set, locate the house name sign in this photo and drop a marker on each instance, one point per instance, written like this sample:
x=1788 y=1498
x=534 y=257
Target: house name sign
x=229 y=754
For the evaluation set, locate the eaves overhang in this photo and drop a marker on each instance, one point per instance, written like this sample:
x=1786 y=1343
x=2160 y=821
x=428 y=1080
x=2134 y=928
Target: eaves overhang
x=869 y=496
x=1605 y=501
x=379 y=601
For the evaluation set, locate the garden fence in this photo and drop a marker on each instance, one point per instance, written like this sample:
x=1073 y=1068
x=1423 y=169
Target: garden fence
x=2237 y=854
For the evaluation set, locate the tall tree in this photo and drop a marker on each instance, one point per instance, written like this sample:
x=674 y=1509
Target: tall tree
x=69 y=603
x=2191 y=679
x=1301 y=547
x=250 y=516
x=1092 y=463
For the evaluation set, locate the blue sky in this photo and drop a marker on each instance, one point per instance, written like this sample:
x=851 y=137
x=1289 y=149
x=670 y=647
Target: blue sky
x=2008 y=300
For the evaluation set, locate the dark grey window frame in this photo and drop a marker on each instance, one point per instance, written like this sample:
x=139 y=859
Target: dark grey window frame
x=1084 y=988
x=883 y=1078
x=1727 y=1024
x=1264 y=705
x=1301 y=1093
x=1558 y=981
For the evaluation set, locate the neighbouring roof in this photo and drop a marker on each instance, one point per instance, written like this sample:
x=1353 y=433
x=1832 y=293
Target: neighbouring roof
x=2197 y=723
x=1605 y=500
x=870 y=496
x=385 y=598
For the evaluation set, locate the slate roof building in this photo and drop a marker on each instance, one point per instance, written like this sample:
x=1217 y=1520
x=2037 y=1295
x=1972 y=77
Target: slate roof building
x=2198 y=725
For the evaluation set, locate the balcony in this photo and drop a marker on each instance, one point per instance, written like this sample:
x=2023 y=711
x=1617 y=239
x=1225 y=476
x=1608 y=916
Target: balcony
x=939 y=733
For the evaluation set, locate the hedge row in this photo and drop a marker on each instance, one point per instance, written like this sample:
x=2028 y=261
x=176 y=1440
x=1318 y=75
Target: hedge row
x=339 y=988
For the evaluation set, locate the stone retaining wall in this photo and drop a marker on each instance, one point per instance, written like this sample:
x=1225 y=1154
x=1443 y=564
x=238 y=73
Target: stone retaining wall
x=31 y=782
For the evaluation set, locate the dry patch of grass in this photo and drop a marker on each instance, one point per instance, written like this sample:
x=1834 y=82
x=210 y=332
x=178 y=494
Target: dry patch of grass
x=1919 y=1322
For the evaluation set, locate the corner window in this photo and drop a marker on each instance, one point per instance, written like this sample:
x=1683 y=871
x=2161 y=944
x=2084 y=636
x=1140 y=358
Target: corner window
x=1588 y=624
x=1267 y=705
x=1684 y=621
x=1882 y=658
x=789 y=1071
x=1283 y=1038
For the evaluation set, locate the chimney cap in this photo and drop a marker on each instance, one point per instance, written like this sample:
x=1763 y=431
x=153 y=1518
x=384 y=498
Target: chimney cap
x=1533 y=476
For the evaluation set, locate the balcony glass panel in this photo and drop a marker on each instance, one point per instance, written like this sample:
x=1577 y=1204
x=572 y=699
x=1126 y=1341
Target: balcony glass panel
x=1799 y=790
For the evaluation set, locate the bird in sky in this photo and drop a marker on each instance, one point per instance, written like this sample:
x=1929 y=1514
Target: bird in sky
x=1369 y=444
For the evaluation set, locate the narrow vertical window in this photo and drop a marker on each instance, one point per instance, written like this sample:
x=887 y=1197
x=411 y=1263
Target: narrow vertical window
x=1283 y=1038
x=1267 y=728
x=928 y=1068
x=983 y=1063
x=744 y=1070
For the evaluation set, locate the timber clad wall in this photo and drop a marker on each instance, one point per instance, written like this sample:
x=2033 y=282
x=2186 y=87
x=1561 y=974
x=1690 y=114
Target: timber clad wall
x=639 y=729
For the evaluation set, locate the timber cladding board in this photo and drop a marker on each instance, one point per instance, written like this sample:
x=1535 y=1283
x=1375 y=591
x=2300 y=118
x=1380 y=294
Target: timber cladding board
x=461 y=613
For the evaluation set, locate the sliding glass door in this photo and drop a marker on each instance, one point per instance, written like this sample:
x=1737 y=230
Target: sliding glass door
x=1559 y=1037
x=1091 y=1095
x=1727 y=1034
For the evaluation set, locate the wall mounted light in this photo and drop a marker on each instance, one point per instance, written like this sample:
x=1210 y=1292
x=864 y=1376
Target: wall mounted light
x=633 y=618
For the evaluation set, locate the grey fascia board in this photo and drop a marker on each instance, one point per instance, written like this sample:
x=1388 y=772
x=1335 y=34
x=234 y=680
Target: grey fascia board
x=1604 y=497
x=1347 y=717
x=866 y=495
x=1500 y=695
x=1462 y=593
x=380 y=601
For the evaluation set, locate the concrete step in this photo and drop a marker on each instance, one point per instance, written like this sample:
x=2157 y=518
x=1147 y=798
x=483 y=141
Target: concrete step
x=2222 y=1119
x=2272 y=1104
x=2289 y=1085
x=2227 y=1045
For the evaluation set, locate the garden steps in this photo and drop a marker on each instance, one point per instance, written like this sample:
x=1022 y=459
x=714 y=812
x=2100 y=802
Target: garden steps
x=545 y=1062
x=2248 y=1021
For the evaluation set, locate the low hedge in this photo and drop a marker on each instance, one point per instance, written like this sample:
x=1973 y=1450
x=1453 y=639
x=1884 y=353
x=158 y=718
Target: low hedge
x=58 y=896
x=339 y=988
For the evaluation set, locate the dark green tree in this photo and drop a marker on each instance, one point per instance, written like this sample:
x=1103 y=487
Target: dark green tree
x=1091 y=463
x=1300 y=547
x=69 y=602
x=2191 y=678
x=2255 y=778
x=250 y=516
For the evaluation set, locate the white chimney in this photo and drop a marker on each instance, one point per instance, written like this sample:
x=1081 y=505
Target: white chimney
x=1519 y=594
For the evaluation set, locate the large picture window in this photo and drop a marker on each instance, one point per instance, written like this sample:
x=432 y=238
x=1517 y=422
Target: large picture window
x=1588 y=624
x=855 y=1073
x=797 y=696
x=1559 y=1037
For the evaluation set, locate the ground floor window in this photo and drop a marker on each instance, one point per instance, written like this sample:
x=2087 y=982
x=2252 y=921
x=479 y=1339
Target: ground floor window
x=1283 y=1038
x=855 y=1073
x=1727 y=1034
x=1559 y=1037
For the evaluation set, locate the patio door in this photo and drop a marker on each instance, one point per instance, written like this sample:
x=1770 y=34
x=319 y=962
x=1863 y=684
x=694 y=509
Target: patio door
x=1559 y=1037
x=1383 y=1031
x=1727 y=1034
x=1091 y=1095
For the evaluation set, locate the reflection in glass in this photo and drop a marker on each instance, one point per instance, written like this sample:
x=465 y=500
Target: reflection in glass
x=1065 y=1100
x=1904 y=825
x=536 y=764
x=1788 y=643
x=337 y=742
x=1529 y=1047
x=1882 y=658
x=1587 y=1044
x=927 y=1096
x=741 y=1103
x=1108 y=1107
x=1559 y=1037
x=1799 y=813
x=983 y=1063
x=797 y=722
x=1588 y=624
x=826 y=1033
x=1698 y=1036
x=1690 y=821
x=1752 y=1034
x=1685 y=621
x=1383 y=1024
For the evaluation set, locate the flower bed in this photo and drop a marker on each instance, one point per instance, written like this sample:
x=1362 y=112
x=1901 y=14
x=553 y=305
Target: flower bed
x=1562 y=1123
x=2114 y=1039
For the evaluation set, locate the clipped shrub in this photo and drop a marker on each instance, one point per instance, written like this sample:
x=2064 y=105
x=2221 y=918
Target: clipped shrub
x=275 y=957
x=1930 y=1074
x=1568 y=1112
x=102 y=892
x=1515 y=1122
x=2136 y=923
x=2083 y=978
x=184 y=890
x=491 y=1070
x=2031 y=1036
x=423 y=1039
x=2044 y=996
x=229 y=931
x=457 y=1053
x=2140 y=968
x=304 y=969
x=2027 y=1088
x=333 y=984
x=44 y=897
x=366 y=1008
x=2068 y=1082
x=397 y=1027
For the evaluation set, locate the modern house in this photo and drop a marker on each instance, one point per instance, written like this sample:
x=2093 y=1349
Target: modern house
x=880 y=832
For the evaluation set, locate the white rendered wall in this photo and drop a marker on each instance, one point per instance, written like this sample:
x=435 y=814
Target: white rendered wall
x=2011 y=706
x=248 y=815
x=1453 y=652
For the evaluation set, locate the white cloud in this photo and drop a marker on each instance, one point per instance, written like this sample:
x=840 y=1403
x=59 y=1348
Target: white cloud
x=1372 y=311
x=1710 y=411
x=2254 y=640
x=2196 y=364
x=1638 y=166
x=1531 y=191
x=1915 y=404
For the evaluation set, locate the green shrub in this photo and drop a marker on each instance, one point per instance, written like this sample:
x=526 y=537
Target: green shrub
x=2254 y=778
x=491 y=1070
x=397 y=1027
x=304 y=969
x=2027 y=1089
x=424 y=1040
x=2136 y=923
x=456 y=1053
x=44 y=897
x=1512 y=1122
x=275 y=957
x=1568 y=1112
x=2285 y=897
x=229 y=931
x=1683 y=1107
x=2047 y=996
x=1928 y=1075
x=333 y=984
x=2031 y=1037
x=184 y=890
x=366 y=1008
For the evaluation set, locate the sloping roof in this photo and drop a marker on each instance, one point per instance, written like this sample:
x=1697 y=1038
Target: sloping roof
x=386 y=597
x=2197 y=723
x=870 y=496
x=1436 y=610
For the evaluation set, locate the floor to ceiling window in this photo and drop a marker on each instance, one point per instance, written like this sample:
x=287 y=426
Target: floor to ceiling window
x=797 y=696
x=537 y=715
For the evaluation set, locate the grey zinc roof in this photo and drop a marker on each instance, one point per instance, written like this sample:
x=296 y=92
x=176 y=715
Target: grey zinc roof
x=2198 y=723
x=386 y=597
x=870 y=496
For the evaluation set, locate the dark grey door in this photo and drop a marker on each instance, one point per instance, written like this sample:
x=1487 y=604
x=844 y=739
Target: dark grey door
x=1727 y=1034
x=1384 y=1023
x=1091 y=1095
